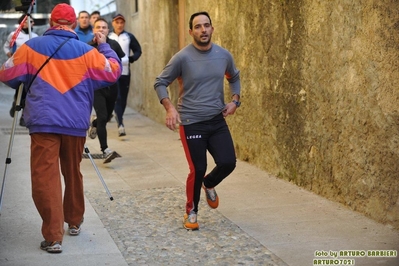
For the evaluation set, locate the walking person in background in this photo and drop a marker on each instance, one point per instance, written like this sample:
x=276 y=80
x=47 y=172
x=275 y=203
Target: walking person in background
x=94 y=16
x=132 y=50
x=104 y=99
x=84 y=30
x=22 y=37
x=200 y=68
x=59 y=101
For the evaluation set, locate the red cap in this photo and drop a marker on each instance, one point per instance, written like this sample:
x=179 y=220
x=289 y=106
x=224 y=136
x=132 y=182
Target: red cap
x=118 y=16
x=63 y=14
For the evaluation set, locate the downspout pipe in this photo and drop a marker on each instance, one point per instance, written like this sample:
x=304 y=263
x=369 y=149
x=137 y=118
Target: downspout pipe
x=182 y=22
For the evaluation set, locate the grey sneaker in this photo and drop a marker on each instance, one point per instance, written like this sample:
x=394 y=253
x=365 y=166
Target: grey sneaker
x=51 y=247
x=121 y=131
x=74 y=230
x=212 y=197
x=109 y=155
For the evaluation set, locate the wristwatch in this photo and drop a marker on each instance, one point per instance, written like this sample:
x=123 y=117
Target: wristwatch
x=237 y=103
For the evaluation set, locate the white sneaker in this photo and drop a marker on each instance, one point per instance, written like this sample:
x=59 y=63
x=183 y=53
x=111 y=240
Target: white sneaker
x=74 y=230
x=121 y=131
x=109 y=155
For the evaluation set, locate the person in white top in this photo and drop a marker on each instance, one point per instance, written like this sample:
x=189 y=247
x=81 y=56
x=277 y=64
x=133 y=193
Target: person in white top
x=22 y=37
x=129 y=44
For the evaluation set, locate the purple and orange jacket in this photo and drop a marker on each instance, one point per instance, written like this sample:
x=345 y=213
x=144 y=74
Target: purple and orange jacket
x=60 y=98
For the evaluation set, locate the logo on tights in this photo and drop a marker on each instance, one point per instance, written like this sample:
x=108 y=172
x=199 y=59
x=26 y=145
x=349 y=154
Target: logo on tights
x=194 y=137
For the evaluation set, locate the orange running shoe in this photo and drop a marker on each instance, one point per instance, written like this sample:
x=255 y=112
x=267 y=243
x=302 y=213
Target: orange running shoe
x=190 y=221
x=211 y=197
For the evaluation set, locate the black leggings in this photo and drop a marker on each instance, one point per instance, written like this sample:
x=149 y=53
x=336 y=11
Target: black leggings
x=104 y=103
x=213 y=136
x=121 y=101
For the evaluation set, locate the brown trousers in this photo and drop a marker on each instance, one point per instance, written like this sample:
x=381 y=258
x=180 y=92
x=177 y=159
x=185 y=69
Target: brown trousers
x=48 y=153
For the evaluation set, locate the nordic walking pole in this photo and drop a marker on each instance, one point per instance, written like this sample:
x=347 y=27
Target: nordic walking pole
x=8 y=159
x=98 y=173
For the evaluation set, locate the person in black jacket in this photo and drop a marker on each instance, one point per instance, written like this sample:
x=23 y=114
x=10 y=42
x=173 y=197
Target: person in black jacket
x=104 y=99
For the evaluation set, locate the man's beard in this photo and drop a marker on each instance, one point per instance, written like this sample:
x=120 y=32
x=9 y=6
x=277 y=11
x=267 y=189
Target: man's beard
x=25 y=30
x=202 y=43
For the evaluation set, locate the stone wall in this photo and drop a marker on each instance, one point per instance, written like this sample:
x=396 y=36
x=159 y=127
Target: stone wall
x=319 y=89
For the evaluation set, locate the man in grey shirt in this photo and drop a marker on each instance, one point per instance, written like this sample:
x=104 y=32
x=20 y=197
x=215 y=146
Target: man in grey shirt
x=200 y=68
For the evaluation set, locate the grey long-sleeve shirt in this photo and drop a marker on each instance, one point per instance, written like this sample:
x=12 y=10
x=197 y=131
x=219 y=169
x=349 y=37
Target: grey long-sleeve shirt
x=201 y=78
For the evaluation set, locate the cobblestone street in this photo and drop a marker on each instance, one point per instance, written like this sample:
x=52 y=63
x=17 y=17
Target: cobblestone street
x=147 y=227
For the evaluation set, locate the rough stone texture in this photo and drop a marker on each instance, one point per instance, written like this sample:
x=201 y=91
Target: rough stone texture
x=319 y=94
x=144 y=225
x=155 y=27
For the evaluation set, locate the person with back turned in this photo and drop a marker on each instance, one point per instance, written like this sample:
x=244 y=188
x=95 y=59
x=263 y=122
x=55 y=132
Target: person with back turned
x=200 y=68
x=60 y=74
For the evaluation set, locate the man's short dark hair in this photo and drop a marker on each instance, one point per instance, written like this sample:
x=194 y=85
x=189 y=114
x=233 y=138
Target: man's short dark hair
x=101 y=19
x=190 y=24
x=95 y=12
x=83 y=11
x=21 y=18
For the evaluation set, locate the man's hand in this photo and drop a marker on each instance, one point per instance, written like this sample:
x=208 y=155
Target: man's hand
x=100 y=38
x=172 y=116
x=229 y=109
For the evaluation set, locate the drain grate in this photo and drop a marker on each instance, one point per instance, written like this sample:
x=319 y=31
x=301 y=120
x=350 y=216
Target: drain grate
x=94 y=156
x=18 y=131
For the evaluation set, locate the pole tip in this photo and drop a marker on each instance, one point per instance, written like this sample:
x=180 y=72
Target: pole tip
x=111 y=198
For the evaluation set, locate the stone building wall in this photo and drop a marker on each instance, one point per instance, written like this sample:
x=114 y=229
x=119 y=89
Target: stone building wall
x=319 y=89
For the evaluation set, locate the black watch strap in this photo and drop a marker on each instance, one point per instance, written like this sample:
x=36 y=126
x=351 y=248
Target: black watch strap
x=237 y=103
